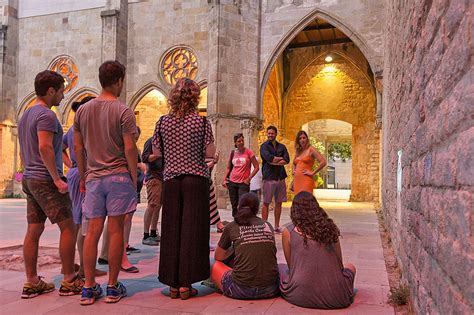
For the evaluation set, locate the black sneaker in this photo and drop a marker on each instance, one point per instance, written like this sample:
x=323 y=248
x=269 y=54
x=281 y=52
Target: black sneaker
x=132 y=250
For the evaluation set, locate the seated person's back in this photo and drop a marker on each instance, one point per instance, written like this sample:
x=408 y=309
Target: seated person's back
x=255 y=272
x=316 y=276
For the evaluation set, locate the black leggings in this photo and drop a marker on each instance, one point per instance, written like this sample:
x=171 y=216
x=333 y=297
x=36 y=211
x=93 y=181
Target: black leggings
x=236 y=190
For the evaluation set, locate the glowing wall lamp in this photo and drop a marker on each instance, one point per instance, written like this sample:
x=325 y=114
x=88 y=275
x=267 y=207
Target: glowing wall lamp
x=328 y=58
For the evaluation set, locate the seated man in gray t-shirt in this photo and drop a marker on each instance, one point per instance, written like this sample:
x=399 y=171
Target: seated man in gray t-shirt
x=105 y=128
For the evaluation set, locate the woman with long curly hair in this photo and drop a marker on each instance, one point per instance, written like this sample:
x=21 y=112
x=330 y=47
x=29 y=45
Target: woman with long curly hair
x=303 y=163
x=315 y=276
x=185 y=140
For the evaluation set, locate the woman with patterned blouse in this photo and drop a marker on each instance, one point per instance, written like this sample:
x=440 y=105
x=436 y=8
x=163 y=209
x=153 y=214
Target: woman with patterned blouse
x=184 y=139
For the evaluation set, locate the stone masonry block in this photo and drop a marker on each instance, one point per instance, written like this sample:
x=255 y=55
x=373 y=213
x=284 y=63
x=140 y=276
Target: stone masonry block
x=465 y=157
x=458 y=214
x=444 y=166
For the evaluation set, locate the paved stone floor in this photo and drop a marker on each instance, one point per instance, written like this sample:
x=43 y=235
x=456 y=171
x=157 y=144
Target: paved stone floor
x=360 y=243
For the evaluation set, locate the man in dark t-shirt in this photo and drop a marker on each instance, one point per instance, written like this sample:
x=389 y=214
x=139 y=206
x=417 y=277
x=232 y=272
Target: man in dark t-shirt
x=274 y=158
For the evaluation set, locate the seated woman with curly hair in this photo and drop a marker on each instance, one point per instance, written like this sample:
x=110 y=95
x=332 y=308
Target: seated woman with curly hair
x=315 y=276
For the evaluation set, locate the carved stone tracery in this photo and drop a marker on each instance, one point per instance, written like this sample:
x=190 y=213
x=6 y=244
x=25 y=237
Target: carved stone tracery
x=179 y=63
x=65 y=66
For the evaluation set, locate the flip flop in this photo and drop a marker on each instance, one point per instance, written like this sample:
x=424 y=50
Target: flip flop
x=131 y=269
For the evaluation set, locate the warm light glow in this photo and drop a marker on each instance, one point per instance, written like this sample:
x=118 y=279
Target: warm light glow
x=328 y=59
x=147 y=112
x=203 y=100
x=329 y=69
x=158 y=96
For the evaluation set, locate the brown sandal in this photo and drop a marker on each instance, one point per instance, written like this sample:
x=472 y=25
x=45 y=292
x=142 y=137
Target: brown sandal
x=188 y=293
x=174 y=293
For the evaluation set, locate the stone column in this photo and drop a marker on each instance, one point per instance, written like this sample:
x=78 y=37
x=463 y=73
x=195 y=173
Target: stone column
x=8 y=89
x=115 y=33
x=233 y=89
x=365 y=162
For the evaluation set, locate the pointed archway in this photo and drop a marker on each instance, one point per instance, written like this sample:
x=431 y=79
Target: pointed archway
x=323 y=74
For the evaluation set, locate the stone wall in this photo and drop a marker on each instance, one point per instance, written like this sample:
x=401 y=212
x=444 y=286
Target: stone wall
x=30 y=8
x=429 y=119
x=300 y=58
x=66 y=36
x=157 y=26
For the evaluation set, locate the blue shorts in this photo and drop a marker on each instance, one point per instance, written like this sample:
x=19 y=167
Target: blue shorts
x=112 y=195
x=240 y=292
x=77 y=197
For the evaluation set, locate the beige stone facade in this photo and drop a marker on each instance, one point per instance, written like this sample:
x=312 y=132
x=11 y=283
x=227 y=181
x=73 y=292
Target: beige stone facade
x=411 y=62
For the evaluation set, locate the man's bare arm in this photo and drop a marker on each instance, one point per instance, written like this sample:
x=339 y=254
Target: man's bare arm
x=131 y=154
x=46 y=150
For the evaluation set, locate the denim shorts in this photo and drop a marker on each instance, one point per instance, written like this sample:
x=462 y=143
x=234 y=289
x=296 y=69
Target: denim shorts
x=111 y=195
x=240 y=292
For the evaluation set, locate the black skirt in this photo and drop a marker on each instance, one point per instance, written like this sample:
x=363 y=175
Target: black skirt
x=184 y=252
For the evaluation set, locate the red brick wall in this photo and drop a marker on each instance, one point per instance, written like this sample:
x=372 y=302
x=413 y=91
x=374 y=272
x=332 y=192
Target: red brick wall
x=429 y=115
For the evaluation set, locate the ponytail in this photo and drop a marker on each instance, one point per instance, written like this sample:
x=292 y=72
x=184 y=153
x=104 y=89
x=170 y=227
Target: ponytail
x=248 y=208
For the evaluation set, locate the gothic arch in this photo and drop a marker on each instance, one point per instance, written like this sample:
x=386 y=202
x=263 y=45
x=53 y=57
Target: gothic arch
x=30 y=97
x=135 y=99
x=305 y=21
x=302 y=71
